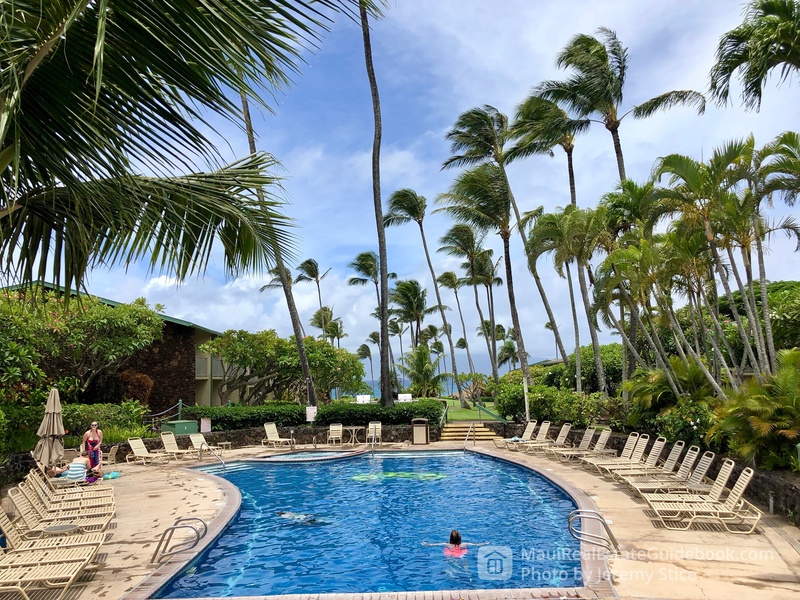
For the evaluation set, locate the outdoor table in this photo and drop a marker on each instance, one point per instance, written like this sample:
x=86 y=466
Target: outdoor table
x=353 y=430
x=224 y=446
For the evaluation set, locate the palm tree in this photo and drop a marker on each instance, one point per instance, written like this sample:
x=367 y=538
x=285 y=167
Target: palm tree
x=421 y=371
x=486 y=274
x=366 y=266
x=365 y=8
x=404 y=206
x=462 y=241
x=451 y=281
x=479 y=136
x=596 y=87
x=309 y=271
x=480 y=197
x=114 y=89
x=335 y=330
x=321 y=319
x=364 y=353
x=411 y=306
x=508 y=355
x=768 y=39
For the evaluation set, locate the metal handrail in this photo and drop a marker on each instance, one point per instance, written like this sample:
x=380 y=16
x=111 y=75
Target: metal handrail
x=466 y=438
x=210 y=449
x=494 y=416
x=443 y=418
x=374 y=431
x=200 y=528
x=163 y=416
x=609 y=544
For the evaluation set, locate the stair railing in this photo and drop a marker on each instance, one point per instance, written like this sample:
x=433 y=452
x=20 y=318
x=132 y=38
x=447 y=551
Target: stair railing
x=163 y=550
x=466 y=438
x=607 y=542
x=210 y=449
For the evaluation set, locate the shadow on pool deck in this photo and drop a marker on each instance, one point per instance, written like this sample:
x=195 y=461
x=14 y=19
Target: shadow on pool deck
x=654 y=563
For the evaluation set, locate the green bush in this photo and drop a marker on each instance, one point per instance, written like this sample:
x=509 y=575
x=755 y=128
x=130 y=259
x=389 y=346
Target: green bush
x=687 y=421
x=362 y=414
x=611 y=357
x=579 y=409
x=226 y=418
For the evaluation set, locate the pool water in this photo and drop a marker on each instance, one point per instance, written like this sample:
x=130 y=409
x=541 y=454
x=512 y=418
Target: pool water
x=358 y=525
x=306 y=455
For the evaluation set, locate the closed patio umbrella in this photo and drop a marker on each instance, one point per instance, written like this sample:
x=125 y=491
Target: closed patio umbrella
x=51 y=431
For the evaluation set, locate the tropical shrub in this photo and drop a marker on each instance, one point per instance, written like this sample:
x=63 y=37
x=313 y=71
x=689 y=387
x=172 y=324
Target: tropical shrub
x=761 y=423
x=688 y=421
x=362 y=414
x=610 y=355
x=420 y=369
x=236 y=416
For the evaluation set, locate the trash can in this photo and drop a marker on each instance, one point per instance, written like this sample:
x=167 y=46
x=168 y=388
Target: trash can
x=420 y=434
x=180 y=427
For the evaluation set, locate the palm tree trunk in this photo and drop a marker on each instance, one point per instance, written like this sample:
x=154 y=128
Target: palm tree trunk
x=719 y=334
x=578 y=383
x=286 y=283
x=495 y=374
x=512 y=302
x=587 y=305
x=614 y=129
x=571 y=173
x=386 y=387
x=748 y=349
x=762 y=281
x=461 y=397
x=464 y=330
x=492 y=323
x=749 y=307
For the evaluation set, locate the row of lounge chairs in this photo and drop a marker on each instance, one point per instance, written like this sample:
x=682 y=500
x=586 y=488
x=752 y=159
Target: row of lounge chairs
x=170 y=450
x=677 y=491
x=56 y=535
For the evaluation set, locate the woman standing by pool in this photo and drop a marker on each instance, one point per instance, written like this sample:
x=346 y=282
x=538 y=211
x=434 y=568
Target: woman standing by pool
x=92 y=440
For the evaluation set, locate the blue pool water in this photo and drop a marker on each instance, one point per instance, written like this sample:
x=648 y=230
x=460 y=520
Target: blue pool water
x=357 y=525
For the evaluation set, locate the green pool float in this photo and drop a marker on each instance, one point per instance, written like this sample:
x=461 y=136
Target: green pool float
x=398 y=475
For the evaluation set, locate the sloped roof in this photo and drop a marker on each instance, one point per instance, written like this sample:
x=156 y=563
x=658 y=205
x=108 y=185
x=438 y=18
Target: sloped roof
x=59 y=288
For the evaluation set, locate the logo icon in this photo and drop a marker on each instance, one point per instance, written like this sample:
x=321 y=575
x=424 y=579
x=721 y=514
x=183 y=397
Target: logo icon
x=495 y=563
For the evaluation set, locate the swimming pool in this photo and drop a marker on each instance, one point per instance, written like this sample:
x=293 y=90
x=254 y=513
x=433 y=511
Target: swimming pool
x=357 y=525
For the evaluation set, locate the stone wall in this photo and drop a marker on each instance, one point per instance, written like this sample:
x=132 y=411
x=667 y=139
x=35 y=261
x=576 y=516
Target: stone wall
x=170 y=364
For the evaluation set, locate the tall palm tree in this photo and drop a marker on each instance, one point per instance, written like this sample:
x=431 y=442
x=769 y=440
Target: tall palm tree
x=508 y=354
x=335 y=330
x=478 y=136
x=365 y=8
x=309 y=270
x=406 y=205
x=321 y=319
x=768 y=39
x=409 y=298
x=480 y=197
x=486 y=274
x=450 y=280
x=596 y=87
x=462 y=241
x=366 y=266
x=364 y=353
x=114 y=89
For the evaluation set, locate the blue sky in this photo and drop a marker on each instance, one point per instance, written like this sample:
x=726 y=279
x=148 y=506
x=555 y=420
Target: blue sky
x=433 y=61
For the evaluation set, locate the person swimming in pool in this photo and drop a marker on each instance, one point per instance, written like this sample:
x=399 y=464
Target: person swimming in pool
x=455 y=547
x=301 y=518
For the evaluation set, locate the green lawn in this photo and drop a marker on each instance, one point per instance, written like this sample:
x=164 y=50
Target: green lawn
x=456 y=413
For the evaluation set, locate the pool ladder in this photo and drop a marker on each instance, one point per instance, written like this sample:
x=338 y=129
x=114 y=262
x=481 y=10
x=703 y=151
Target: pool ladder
x=466 y=438
x=195 y=525
x=210 y=449
x=608 y=542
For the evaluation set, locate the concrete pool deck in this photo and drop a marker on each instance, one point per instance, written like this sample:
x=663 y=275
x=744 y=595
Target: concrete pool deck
x=654 y=563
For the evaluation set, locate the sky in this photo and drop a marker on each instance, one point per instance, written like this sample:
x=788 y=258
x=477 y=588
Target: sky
x=433 y=61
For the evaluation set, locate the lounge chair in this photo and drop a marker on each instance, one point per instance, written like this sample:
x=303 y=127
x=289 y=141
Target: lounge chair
x=373 y=432
x=694 y=482
x=109 y=459
x=23 y=578
x=648 y=462
x=526 y=436
x=630 y=455
x=57 y=488
x=34 y=523
x=335 y=433
x=171 y=446
x=273 y=437
x=34 y=491
x=586 y=440
x=17 y=539
x=685 y=495
x=536 y=446
x=47 y=511
x=666 y=468
x=541 y=436
x=599 y=449
x=199 y=443
x=141 y=453
x=733 y=511
x=50 y=555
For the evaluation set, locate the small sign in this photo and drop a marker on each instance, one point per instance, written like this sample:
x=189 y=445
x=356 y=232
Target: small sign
x=311 y=413
x=205 y=425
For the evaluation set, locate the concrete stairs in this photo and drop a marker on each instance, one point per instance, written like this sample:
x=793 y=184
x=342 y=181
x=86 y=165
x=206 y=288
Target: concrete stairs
x=457 y=431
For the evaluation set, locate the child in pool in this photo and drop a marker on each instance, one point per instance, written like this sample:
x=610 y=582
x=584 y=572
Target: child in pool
x=455 y=547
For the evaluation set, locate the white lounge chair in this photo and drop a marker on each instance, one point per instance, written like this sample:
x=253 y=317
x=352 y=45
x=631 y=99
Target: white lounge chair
x=535 y=447
x=199 y=443
x=586 y=440
x=141 y=453
x=526 y=436
x=335 y=433
x=541 y=436
x=273 y=437
x=683 y=479
x=171 y=446
x=599 y=449
x=666 y=468
x=373 y=432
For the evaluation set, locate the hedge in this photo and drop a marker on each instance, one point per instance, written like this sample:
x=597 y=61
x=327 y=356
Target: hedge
x=362 y=414
x=228 y=418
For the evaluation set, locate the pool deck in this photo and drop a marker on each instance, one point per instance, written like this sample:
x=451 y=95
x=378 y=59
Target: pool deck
x=654 y=563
